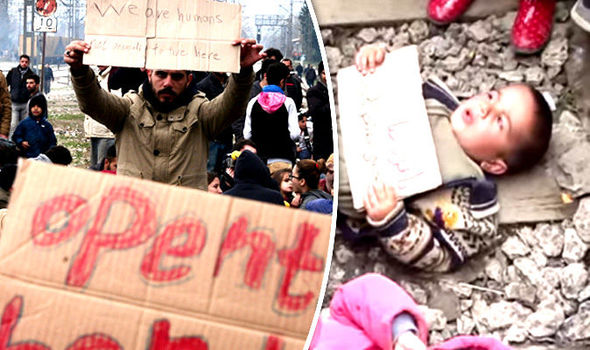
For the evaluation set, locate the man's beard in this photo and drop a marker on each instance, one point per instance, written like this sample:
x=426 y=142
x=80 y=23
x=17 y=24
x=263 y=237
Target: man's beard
x=168 y=100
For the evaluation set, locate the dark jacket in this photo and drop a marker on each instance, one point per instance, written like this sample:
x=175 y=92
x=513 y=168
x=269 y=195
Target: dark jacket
x=293 y=89
x=38 y=133
x=253 y=181
x=319 y=110
x=312 y=195
x=17 y=83
x=212 y=88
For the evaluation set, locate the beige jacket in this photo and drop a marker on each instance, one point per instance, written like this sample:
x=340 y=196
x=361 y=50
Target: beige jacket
x=166 y=147
x=5 y=106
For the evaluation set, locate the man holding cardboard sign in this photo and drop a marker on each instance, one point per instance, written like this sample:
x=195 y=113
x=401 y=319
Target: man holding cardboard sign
x=162 y=132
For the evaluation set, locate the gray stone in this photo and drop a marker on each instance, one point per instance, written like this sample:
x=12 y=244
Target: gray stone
x=435 y=338
x=327 y=37
x=555 y=54
x=507 y=21
x=534 y=75
x=584 y=294
x=573 y=279
x=380 y=268
x=551 y=275
x=479 y=30
x=552 y=72
x=529 y=270
x=514 y=76
x=418 y=31
x=520 y=292
x=550 y=238
x=334 y=58
x=545 y=321
x=577 y=327
x=539 y=258
x=494 y=270
x=511 y=274
x=375 y=253
x=575 y=163
x=465 y=325
x=500 y=314
x=513 y=247
x=418 y=294
x=528 y=236
x=343 y=254
x=387 y=33
x=457 y=63
x=465 y=304
x=368 y=35
x=400 y=40
x=574 y=249
x=435 y=319
x=516 y=334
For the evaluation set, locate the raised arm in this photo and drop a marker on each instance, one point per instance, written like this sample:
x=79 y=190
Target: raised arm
x=99 y=104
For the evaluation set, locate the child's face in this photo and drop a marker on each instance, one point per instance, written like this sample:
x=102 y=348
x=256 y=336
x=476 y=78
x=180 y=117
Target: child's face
x=36 y=111
x=286 y=184
x=490 y=126
x=303 y=123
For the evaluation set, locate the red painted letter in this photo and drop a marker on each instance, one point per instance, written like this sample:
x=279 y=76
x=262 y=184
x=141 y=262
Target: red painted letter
x=161 y=339
x=140 y=231
x=10 y=318
x=262 y=250
x=192 y=246
x=74 y=207
x=298 y=258
x=274 y=343
x=95 y=342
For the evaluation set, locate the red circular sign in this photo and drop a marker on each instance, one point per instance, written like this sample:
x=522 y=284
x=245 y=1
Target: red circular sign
x=46 y=7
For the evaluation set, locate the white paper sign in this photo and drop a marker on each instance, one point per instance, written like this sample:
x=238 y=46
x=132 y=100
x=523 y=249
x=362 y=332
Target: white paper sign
x=385 y=130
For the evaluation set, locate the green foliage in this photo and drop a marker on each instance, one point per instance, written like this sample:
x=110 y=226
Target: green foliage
x=66 y=116
x=309 y=42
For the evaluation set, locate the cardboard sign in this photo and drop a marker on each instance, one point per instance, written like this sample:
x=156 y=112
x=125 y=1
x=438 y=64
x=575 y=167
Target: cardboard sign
x=171 y=34
x=151 y=264
x=385 y=130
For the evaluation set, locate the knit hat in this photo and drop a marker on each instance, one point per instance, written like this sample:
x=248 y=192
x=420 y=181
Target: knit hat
x=38 y=100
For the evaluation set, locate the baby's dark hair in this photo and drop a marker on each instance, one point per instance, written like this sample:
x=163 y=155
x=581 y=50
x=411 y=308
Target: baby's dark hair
x=530 y=151
x=59 y=155
x=310 y=170
x=211 y=176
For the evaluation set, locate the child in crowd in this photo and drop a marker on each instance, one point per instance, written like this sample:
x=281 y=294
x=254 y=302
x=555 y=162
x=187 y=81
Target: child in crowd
x=283 y=178
x=305 y=178
x=213 y=184
x=304 y=139
x=373 y=312
x=496 y=132
x=34 y=135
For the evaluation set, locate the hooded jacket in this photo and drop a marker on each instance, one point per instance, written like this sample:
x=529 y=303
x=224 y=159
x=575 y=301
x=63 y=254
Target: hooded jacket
x=364 y=313
x=271 y=122
x=37 y=132
x=253 y=181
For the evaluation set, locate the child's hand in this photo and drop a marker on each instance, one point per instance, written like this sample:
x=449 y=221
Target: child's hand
x=369 y=57
x=296 y=201
x=409 y=341
x=380 y=201
x=25 y=144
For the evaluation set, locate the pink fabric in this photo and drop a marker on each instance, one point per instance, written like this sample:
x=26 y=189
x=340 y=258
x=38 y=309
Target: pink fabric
x=271 y=101
x=361 y=316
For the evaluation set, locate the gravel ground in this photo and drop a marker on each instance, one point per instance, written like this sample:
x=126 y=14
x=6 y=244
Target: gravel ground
x=532 y=290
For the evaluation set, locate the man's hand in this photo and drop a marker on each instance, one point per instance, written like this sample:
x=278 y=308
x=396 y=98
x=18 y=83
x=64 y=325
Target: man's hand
x=380 y=201
x=249 y=52
x=74 y=53
x=409 y=341
x=369 y=57
x=25 y=145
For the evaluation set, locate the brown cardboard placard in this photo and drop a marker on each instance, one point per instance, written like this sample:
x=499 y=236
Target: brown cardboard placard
x=215 y=267
x=172 y=34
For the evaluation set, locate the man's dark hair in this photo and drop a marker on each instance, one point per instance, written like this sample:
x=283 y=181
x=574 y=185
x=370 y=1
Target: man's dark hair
x=59 y=155
x=275 y=73
x=530 y=151
x=24 y=56
x=244 y=142
x=271 y=51
x=111 y=153
x=33 y=76
x=321 y=67
x=264 y=66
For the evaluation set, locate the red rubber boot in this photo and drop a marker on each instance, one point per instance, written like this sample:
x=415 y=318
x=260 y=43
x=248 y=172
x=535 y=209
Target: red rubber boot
x=532 y=27
x=446 y=11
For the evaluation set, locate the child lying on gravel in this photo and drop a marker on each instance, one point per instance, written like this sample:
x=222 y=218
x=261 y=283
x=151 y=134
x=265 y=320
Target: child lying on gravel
x=497 y=132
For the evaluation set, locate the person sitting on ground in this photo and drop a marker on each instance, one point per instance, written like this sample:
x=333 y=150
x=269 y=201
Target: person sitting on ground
x=271 y=121
x=34 y=135
x=373 y=312
x=252 y=180
x=56 y=155
x=283 y=179
x=305 y=178
x=213 y=183
x=109 y=163
x=496 y=132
